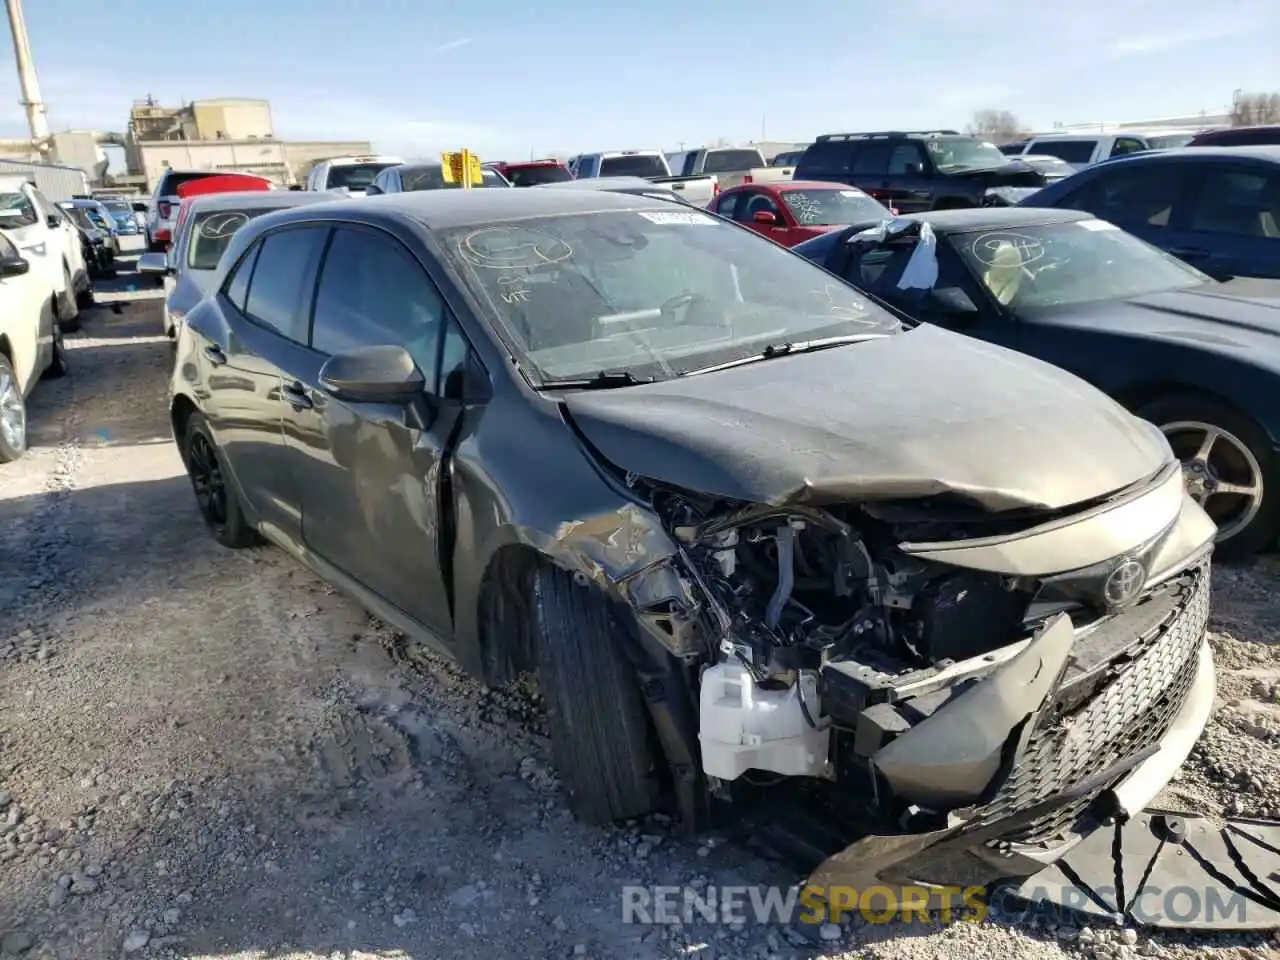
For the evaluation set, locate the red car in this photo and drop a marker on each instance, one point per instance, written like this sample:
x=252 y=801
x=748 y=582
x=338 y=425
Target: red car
x=532 y=173
x=797 y=210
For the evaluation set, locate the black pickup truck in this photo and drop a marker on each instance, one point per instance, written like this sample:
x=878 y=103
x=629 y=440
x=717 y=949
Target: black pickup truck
x=915 y=171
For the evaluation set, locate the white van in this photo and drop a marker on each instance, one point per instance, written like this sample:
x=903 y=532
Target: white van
x=348 y=174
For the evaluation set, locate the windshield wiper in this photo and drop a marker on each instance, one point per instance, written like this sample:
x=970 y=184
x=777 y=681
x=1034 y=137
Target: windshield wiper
x=604 y=380
x=787 y=349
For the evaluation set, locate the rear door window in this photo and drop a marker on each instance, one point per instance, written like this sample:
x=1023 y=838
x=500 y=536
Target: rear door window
x=1237 y=201
x=1149 y=194
x=1072 y=151
x=275 y=292
x=871 y=159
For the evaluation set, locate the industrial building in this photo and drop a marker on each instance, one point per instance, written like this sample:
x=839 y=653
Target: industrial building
x=233 y=134
x=228 y=134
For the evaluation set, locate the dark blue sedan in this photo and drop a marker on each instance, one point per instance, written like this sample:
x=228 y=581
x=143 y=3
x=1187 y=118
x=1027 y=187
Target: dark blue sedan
x=1217 y=208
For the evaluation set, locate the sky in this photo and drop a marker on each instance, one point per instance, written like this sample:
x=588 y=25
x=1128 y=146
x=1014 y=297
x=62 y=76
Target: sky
x=508 y=78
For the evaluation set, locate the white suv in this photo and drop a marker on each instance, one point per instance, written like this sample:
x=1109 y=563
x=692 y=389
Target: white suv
x=350 y=175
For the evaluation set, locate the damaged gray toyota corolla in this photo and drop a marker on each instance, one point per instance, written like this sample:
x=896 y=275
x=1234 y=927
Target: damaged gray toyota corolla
x=741 y=521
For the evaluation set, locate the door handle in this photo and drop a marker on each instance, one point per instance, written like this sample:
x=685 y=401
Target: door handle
x=296 y=396
x=214 y=355
x=1190 y=253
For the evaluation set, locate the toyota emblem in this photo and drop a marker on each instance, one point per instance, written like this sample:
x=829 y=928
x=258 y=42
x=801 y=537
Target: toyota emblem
x=1124 y=583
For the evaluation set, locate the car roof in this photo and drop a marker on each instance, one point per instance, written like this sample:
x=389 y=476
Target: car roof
x=1264 y=151
x=257 y=200
x=447 y=209
x=969 y=219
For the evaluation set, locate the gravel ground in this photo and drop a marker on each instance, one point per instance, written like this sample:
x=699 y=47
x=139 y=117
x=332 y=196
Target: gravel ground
x=212 y=753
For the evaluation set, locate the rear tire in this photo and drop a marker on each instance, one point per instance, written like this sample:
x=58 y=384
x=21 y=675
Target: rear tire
x=599 y=724
x=1241 y=440
x=215 y=497
x=58 y=365
x=68 y=309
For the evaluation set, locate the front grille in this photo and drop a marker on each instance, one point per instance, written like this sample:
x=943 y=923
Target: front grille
x=1130 y=713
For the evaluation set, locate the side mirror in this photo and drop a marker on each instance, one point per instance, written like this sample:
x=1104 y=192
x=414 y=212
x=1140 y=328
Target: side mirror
x=372 y=190
x=952 y=301
x=54 y=221
x=295 y=186
x=14 y=266
x=373 y=375
x=765 y=216
x=156 y=264
x=913 y=169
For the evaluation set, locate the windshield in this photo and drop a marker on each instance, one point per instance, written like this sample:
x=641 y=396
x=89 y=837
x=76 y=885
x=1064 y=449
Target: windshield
x=532 y=176
x=726 y=161
x=211 y=231
x=78 y=217
x=16 y=210
x=964 y=153
x=354 y=176
x=99 y=217
x=1169 y=141
x=821 y=208
x=651 y=292
x=1063 y=264
x=635 y=165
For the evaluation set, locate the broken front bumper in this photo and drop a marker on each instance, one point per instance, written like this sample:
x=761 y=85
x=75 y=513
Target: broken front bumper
x=1100 y=764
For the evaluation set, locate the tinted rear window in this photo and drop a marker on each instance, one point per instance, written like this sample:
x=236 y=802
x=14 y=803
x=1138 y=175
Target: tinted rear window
x=828 y=156
x=1072 y=151
x=211 y=232
x=354 y=176
x=172 y=181
x=639 y=165
x=724 y=161
x=532 y=176
x=430 y=178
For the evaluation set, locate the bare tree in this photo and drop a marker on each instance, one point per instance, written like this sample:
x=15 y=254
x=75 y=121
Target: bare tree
x=999 y=126
x=1255 y=109
x=719 y=142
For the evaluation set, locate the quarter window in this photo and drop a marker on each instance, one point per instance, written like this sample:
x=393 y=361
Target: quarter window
x=372 y=292
x=238 y=283
x=275 y=291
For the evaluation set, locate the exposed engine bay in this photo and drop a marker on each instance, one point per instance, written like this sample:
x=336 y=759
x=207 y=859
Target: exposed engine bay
x=828 y=640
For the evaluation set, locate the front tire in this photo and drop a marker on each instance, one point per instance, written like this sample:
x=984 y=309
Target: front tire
x=215 y=498
x=1229 y=468
x=599 y=724
x=13 y=414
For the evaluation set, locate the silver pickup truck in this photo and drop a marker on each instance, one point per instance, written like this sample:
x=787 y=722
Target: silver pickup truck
x=651 y=165
x=730 y=166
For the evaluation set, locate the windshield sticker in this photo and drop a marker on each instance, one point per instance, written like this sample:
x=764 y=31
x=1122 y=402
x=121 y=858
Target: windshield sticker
x=513 y=290
x=1007 y=249
x=221 y=225
x=681 y=218
x=852 y=193
x=1098 y=225
x=513 y=247
x=807 y=210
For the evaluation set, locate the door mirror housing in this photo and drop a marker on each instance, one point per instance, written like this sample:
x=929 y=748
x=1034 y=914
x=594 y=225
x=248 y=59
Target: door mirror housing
x=913 y=169
x=765 y=216
x=952 y=301
x=54 y=221
x=386 y=374
x=14 y=266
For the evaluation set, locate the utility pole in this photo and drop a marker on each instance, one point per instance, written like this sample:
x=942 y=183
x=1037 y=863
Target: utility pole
x=29 y=84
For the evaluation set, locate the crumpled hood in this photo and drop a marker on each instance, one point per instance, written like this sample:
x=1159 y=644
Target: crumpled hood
x=914 y=415
x=1241 y=317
